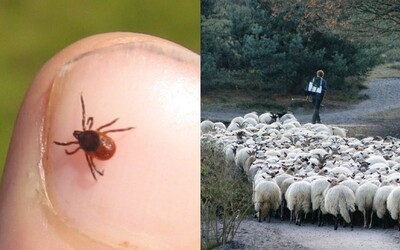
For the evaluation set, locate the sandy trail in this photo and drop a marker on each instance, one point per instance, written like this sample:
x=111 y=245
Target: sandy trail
x=384 y=95
x=282 y=235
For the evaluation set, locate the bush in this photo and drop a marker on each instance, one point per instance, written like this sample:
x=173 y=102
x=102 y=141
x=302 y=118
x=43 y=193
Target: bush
x=225 y=197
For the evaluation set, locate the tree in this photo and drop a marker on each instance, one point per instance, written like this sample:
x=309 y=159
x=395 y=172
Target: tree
x=275 y=46
x=382 y=16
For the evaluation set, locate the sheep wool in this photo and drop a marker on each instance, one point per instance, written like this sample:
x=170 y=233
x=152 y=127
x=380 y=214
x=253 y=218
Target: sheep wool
x=298 y=198
x=267 y=198
x=393 y=204
x=364 y=200
x=339 y=200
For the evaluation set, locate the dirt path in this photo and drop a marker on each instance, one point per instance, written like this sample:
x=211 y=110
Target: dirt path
x=384 y=95
x=282 y=235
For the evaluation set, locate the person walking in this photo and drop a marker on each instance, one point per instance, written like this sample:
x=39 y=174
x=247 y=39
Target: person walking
x=317 y=97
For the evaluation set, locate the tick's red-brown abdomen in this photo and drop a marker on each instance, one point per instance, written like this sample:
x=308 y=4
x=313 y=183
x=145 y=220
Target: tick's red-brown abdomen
x=106 y=148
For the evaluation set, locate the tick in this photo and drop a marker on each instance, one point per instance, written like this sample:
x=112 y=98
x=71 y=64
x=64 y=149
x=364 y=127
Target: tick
x=95 y=143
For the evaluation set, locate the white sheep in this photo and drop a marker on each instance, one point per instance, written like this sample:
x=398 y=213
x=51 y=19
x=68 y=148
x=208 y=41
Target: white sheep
x=293 y=122
x=341 y=170
x=249 y=161
x=241 y=156
x=267 y=198
x=261 y=176
x=364 y=200
x=372 y=159
x=252 y=115
x=339 y=200
x=287 y=174
x=219 y=125
x=289 y=126
x=258 y=166
x=317 y=197
x=230 y=152
x=206 y=126
x=352 y=184
x=286 y=117
x=321 y=128
x=393 y=204
x=251 y=121
x=238 y=120
x=379 y=167
x=267 y=118
x=380 y=200
x=284 y=187
x=339 y=132
x=298 y=198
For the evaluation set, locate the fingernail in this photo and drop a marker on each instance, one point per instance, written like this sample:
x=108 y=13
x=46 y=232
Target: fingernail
x=147 y=193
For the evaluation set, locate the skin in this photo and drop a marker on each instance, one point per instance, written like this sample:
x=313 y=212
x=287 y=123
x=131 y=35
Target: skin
x=149 y=195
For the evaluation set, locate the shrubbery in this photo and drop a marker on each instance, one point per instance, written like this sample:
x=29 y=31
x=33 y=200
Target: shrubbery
x=225 y=197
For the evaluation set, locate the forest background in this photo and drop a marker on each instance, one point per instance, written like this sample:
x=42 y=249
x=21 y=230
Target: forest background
x=271 y=48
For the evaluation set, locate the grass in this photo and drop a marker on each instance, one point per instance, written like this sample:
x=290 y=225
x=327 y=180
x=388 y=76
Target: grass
x=253 y=100
x=32 y=31
x=387 y=70
x=387 y=123
x=243 y=99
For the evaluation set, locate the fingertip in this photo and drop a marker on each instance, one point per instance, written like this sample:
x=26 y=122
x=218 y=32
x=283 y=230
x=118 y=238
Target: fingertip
x=65 y=202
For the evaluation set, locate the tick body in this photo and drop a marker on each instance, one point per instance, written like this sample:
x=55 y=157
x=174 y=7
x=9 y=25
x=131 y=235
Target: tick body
x=95 y=143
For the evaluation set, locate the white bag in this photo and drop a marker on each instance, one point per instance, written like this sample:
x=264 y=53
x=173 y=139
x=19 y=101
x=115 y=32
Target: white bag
x=315 y=87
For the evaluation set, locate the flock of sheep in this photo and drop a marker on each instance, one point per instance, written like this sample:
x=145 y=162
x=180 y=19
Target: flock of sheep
x=312 y=168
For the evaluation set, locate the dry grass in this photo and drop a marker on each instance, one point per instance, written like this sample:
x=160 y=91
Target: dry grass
x=387 y=70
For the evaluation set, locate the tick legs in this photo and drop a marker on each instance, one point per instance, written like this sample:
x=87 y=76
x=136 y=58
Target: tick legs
x=117 y=130
x=90 y=122
x=66 y=144
x=83 y=114
x=113 y=130
x=108 y=124
x=92 y=167
x=73 y=151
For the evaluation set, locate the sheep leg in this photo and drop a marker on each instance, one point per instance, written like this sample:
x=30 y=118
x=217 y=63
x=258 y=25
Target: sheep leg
x=259 y=215
x=351 y=220
x=370 y=222
x=298 y=218
x=365 y=218
x=282 y=208
x=399 y=223
x=319 y=217
x=336 y=222
x=384 y=219
x=312 y=216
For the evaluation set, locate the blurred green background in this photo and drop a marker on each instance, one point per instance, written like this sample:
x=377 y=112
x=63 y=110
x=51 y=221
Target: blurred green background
x=32 y=31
